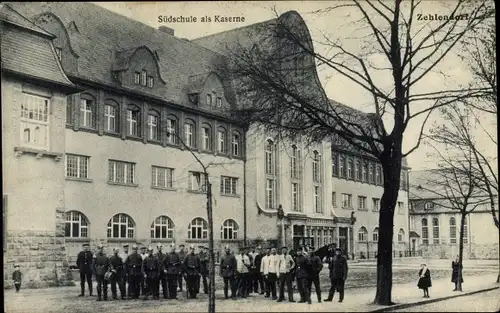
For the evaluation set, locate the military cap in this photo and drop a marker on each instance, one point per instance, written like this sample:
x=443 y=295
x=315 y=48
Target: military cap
x=181 y=245
x=125 y=245
x=201 y=247
x=134 y=247
x=16 y=265
x=85 y=244
x=143 y=247
x=338 y=249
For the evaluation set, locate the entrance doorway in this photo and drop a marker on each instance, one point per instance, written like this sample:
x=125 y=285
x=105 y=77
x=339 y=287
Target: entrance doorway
x=299 y=237
x=343 y=244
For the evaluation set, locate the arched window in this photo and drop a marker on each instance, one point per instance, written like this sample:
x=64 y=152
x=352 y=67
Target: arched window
x=87 y=111
x=121 y=226
x=342 y=167
x=365 y=171
x=350 y=168
x=335 y=164
x=206 y=137
x=229 y=230
x=172 y=129
x=111 y=116
x=77 y=225
x=378 y=175
x=189 y=133
x=235 y=143
x=316 y=167
x=466 y=232
x=162 y=228
x=371 y=173
x=425 y=232
x=428 y=206
x=401 y=235
x=271 y=179
x=375 y=234
x=435 y=230
x=362 y=234
x=26 y=135
x=154 y=125
x=133 y=121
x=357 y=170
x=221 y=140
x=453 y=230
x=270 y=157
x=198 y=229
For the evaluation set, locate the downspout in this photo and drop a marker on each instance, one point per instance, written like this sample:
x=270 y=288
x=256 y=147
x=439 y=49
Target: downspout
x=245 y=201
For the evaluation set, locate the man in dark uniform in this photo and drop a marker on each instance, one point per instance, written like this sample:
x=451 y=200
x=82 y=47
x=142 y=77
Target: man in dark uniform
x=84 y=264
x=303 y=271
x=192 y=270
x=182 y=256
x=101 y=266
x=144 y=254
x=227 y=272
x=338 y=274
x=203 y=270
x=124 y=256
x=172 y=265
x=317 y=266
x=162 y=275
x=116 y=266
x=151 y=271
x=134 y=267
x=259 y=278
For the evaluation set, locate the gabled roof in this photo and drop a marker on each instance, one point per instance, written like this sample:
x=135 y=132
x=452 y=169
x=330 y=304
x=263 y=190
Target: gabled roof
x=9 y=15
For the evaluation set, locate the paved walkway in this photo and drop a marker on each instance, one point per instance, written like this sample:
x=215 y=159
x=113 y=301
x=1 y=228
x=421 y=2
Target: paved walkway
x=64 y=299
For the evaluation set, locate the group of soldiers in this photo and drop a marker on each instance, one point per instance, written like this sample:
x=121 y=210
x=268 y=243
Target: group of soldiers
x=143 y=273
x=243 y=273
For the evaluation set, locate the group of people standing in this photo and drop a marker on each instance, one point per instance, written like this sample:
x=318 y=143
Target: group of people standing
x=245 y=272
x=143 y=273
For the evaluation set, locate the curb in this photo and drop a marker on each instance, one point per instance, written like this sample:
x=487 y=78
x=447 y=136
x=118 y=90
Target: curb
x=408 y=305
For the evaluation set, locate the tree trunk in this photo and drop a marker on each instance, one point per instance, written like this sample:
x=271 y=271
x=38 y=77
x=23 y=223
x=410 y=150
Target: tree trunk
x=211 y=256
x=392 y=169
x=498 y=227
x=460 y=251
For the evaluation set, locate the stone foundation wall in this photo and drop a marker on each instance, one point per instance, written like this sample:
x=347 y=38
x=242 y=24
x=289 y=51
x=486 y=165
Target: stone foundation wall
x=471 y=251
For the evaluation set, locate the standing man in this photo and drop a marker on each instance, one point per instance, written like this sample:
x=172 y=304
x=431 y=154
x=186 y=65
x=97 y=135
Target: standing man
x=303 y=272
x=192 y=270
x=264 y=271
x=338 y=274
x=84 y=264
x=151 y=270
x=134 y=267
x=228 y=266
x=259 y=278
x=317 y=266
x=101 y=266
x=162 y=275
x=272 y=275
x=144 y=255
x=182 y=255
x=242 y=267
x=126 y=283
x=116 y=266
x=253 y=283
x=172 y=268
x=203 y=270
x=286 y=264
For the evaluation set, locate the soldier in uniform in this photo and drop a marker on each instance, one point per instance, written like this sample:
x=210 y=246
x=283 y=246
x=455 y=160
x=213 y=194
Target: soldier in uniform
x=317 y=266
x=171 y=266
x=303 y=271
x=84 y=264
x=116 y=265
x=227 y=272
x=151 y=271
x=182 y=255
x=252 y=282
x=259 y=279
x=203 y=270
x=101 y=266
x=338 y=274
x=192 y=266
x=134 y=267
x=162 y=278
x=126 y=283
x=144 y=255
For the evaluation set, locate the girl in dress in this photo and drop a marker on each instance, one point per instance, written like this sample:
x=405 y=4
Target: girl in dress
x=424 y=281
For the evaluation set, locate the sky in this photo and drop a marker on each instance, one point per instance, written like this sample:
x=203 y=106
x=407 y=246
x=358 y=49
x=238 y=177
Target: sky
x=334 y=25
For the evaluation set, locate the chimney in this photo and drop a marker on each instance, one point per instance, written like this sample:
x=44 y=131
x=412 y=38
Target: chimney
x=167 y=30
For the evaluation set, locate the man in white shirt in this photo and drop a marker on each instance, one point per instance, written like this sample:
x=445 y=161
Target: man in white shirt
x=272 y=274
x=264 y=270
x=126 y=282
x=286 y=264
x=242 y=267
x=254 y=271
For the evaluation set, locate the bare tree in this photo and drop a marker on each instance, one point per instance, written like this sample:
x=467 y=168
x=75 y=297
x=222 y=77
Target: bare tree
x=277 y=87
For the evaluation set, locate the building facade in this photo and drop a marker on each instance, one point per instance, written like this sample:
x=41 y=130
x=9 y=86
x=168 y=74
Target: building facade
x=437 y=227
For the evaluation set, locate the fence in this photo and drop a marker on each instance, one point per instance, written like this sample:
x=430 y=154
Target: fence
x=395 y=254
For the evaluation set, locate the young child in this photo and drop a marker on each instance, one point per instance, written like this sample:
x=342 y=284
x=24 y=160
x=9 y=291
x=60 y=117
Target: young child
x=424 y=281
x=17 y=277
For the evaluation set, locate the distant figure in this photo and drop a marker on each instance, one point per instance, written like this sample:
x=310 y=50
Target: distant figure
x=424 y=281
x=456 y=271
x=17 y=277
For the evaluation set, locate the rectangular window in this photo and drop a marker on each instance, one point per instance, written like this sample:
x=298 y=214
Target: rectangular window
x=228 y=185
x=346 y=200
x=365 y=171
x=144 y=76
x=198 y=181
x=188 y=134
x=110 y=118
x=371 y=173
x=209 y=99
x=358 y=170
x=342 y=167
x=270 y=193
x=236 y=145
x=86 y=113
x=35 y=121
x=362 y=203
x=221 y=136
x=315 y=171
x=453 y=233
x=153 y=127
x=401 y=207
x=77 y=166
x=335 y=164
x=151 y=81
x=133 y=123
x=375 y=204
x=137 y=78
x=317 y=200
x=162 y=177
x=334 y=199
x=350 y=169
x=121 y=172
x=206 y=144
x=172 y=131
x=219 y=102
x=295 y=196
x=435 y=231
x=379 y=175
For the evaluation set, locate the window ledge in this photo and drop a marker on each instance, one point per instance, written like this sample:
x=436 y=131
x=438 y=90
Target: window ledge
x=230 y=195
x=122 y=184
x=111 y=134
x=18 y=151
x=154 y=142
x=163 y=188
x=77 y=239
x=88 y=129
x=121 y=239
x=135 y=138
x=197 y=240
x=197 y=192
x=162 y=240
x=84 y=180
